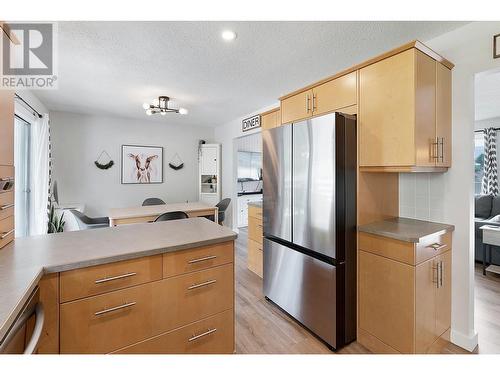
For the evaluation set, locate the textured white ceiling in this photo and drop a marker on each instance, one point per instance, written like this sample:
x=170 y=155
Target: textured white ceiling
x=487 y=95
x=111 y=68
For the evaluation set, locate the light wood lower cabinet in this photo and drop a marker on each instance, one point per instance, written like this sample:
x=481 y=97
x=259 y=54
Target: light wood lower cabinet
x=159 y=309
x=404 y=296
x=255 y=240
x=213 y=335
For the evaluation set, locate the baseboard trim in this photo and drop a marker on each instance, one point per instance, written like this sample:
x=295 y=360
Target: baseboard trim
x=469 y=343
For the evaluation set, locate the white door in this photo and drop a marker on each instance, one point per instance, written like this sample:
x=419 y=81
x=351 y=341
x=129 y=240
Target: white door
x=209 y=161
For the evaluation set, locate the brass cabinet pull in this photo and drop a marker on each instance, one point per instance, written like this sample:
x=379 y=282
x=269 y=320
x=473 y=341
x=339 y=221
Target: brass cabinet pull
x=6 y=234
x=206 y=283
x=106 y=279
x=196 y=337
x=210 y=257
x=437 y=246
x=6 y=206
x=111 y=309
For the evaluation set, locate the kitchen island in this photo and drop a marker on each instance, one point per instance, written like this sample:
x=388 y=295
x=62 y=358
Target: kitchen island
x=164 y=287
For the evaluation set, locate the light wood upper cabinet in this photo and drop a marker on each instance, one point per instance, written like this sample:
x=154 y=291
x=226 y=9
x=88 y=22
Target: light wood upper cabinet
x=6 y=127
x=270 y=119
x=387 y=111
x=335 y=94
x=326 y=97
x=297 y=107
x=405 y=113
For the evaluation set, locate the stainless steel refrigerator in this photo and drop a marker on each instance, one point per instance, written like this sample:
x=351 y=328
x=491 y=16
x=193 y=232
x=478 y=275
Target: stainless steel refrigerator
x=309 y=208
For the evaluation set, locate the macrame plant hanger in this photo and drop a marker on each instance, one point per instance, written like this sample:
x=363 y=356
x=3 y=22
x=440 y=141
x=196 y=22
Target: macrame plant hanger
x=176 y=163
x=108 y=165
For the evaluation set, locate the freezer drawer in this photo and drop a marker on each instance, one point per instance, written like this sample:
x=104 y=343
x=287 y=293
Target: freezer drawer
x=306 y=288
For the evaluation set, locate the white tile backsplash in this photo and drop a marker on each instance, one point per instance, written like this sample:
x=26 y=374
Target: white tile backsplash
x=421 y=196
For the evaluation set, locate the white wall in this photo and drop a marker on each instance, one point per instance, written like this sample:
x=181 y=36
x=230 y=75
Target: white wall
x=227 y=135
x=488 y=123
x=77 y=140
x=470 y=49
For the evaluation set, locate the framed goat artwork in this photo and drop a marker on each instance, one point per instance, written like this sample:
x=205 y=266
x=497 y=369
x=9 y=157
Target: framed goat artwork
x=142 y=164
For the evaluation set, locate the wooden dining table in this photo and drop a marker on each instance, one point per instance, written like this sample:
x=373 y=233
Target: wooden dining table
x=145 y=214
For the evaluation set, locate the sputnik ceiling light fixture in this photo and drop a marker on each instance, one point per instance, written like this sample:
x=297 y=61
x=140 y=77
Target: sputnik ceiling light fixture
x=161 y=106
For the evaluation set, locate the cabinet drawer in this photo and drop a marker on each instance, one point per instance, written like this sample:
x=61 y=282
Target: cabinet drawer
x=255 y=231
x=255 y=212
x=108 y=322
x=335 y=94
x=214 y=335
x=6 y=179
x=6 y=230
x=180 y=262
x=91 y=281
x=255 y=257
x=6 y=204
x=433 y=245
x=195 y=296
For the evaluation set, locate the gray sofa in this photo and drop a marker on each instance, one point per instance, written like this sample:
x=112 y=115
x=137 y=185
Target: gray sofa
x=487 y=208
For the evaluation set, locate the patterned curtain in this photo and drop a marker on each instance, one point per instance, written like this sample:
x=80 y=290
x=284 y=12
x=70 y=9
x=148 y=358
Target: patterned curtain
x=490 y=176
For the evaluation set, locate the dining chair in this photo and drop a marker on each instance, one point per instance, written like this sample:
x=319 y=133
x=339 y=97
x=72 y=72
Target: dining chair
x=222 y=206
x=85 y=222
x=152 y=202
x=173 y=215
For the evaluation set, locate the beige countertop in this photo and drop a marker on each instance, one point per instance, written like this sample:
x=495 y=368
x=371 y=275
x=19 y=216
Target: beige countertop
x=26 y=260
x=404 y=229
x=156 y=210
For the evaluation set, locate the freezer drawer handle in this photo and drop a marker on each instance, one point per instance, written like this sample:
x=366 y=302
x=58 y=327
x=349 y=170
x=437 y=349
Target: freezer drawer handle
x=196 y=337
x=6 y=234
x=111 y=309
x=437 y=246
x=206 y=283
x=210 y=257
x=106 y=279
x=6 y=206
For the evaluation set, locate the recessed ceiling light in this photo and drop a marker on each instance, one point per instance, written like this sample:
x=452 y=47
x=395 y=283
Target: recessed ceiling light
x=228 y=35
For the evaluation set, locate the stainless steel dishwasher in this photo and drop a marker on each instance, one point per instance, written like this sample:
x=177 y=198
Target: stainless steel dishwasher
x=24 y=335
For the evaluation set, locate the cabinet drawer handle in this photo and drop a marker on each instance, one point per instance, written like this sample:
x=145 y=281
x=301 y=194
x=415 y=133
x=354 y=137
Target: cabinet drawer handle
x=106 y=279
x=196 y=337
x=111 y=309
x=441 y=273
x=206 y=283
x=6 y=179
x=202 y=259
x=6 y=206
x=437 y=280
x=437 y=246
x=6 y=234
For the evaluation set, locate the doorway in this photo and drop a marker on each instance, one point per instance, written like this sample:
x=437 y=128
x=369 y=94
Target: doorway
x=487 y=209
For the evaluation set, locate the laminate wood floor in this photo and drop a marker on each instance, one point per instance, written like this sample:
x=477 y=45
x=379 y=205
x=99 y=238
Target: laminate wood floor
x=262 y=328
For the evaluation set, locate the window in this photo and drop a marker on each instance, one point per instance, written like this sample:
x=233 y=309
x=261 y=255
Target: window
x=478 y=161
x=22 y=154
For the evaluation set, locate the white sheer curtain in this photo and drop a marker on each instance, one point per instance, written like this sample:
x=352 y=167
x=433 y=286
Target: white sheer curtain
x=40 y=160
